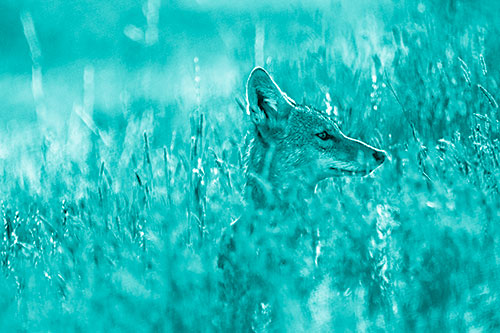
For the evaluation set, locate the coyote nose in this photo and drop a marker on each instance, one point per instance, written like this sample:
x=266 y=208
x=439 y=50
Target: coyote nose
x=379 y=156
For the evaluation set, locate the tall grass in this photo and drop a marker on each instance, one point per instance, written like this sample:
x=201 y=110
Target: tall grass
x=117 y=222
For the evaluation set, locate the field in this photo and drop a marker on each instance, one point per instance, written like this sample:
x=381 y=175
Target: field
x=122 y=141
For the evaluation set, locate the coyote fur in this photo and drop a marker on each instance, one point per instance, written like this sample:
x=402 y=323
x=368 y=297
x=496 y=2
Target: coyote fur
x=295 y=146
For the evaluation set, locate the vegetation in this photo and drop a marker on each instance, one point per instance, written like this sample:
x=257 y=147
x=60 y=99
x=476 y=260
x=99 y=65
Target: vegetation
x=121 y=168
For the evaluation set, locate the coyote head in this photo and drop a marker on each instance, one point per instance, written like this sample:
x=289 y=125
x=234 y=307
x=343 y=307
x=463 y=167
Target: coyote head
x=305 y=144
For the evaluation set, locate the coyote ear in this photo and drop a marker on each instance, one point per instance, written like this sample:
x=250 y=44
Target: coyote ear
x=266 y=103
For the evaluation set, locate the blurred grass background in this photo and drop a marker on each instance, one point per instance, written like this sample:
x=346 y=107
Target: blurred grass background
x=121 y=166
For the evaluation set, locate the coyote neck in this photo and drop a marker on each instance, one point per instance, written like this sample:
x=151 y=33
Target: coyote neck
x=268 y=182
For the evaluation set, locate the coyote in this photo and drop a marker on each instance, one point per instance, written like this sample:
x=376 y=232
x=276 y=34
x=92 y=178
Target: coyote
x=295 y=146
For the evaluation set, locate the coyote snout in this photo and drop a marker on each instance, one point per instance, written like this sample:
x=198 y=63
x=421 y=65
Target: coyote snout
x=297 y=144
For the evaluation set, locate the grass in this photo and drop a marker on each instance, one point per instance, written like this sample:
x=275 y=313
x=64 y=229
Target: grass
x=114 y=218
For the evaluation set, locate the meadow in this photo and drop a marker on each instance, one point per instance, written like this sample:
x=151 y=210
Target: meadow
x=122 y=144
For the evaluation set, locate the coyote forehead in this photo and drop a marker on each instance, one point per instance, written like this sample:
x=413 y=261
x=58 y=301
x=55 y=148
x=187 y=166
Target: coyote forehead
x=297 y=145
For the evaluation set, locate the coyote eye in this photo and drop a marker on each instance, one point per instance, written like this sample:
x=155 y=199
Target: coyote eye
x=323 y=136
